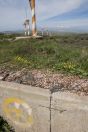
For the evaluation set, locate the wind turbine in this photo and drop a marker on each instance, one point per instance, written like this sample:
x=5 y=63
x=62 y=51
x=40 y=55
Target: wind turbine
x=27 y=27
x=32 y=5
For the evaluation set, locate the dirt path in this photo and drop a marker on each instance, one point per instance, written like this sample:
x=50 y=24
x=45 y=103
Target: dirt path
x=47 y=80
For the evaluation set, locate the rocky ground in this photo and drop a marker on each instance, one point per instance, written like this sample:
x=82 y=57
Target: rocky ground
x=46 y=79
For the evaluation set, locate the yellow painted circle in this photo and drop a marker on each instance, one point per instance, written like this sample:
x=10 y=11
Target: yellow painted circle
x=18 y=111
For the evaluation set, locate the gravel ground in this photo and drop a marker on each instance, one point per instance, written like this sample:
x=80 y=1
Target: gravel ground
x=46 y=79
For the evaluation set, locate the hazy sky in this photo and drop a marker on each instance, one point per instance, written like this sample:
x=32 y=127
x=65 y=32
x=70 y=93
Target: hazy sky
x=61 y=14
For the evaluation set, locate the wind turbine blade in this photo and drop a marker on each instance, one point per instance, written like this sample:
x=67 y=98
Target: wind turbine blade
x=30 y=3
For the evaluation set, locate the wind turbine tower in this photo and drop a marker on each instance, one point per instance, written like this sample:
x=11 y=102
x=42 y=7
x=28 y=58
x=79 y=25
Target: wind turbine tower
x=32 y=5
x=27 y=27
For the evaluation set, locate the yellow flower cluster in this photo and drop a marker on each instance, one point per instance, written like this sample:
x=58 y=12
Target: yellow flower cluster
x=22 y=60
x=69 y=65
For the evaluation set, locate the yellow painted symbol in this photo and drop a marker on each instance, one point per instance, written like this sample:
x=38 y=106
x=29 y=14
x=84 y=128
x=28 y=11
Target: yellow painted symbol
x=18 y=111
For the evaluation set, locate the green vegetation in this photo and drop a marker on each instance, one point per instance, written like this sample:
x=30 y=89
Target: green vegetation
x=4 y=126
x=66 y=54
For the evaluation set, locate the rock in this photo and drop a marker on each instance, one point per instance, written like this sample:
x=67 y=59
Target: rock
x=5 y=76
x=28 y=78
x=1 y=78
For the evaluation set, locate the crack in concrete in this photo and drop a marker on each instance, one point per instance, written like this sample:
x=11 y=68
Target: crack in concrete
x=60 y=110
x=55 y=89
x=52 y=91
x=50 y=107
x=50 y=112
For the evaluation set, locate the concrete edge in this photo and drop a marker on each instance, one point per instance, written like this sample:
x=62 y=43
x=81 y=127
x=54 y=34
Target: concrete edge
x=71 y=97
x=25 y=88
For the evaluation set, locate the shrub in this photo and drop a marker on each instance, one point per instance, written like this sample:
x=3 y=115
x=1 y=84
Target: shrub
x=4 y=126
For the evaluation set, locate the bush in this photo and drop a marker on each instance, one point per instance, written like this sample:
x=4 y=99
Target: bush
x=4 y=126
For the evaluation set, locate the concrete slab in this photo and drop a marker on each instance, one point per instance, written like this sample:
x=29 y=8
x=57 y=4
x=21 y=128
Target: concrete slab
x=31 y=109
x=69 y=113
x=28 y=37
x=22 y=37
x=25 y=107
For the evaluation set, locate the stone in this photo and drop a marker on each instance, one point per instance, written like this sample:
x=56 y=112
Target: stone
x=1 y=78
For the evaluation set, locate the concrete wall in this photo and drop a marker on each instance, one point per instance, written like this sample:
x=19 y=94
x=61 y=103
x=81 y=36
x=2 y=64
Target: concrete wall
x=31 y=109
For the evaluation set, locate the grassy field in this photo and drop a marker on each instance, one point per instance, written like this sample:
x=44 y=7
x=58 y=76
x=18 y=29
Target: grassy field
x=65 y=54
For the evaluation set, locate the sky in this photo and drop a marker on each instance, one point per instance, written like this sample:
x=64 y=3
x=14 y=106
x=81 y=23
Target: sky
x=63 y=15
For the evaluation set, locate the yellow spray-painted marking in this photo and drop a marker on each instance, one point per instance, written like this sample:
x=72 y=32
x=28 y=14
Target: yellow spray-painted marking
x=18 y=111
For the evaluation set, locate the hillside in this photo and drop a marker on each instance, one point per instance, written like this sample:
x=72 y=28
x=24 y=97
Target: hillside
x=65 y=54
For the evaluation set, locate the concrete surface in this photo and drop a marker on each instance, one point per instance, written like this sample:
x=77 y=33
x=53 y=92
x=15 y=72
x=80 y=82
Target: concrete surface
x=27 y=37
x=36 y=98
x=69 y=113
x=31 y=109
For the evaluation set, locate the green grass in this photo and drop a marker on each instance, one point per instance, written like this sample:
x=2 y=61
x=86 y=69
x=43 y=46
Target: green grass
x=66 y=54
x=4 y=126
